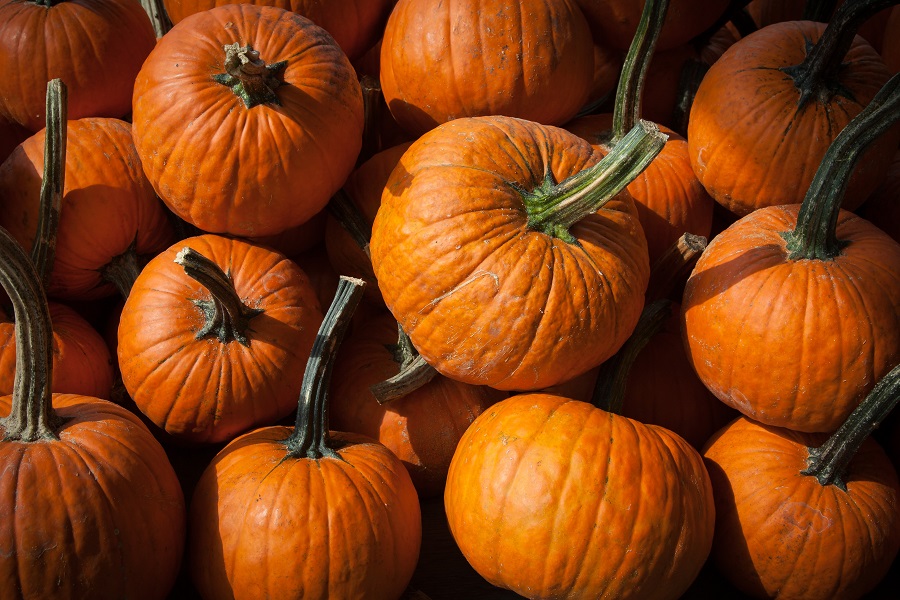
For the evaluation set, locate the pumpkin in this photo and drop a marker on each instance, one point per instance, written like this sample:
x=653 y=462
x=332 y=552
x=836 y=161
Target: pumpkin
x=95 y=46
x=767 y=110
x=800 y=515
x=92 y=508
x=339 y=508
x=668 y=196
x=297 y=240
x=531 y=59
x=272 y=84
x=500 y=275
x=208 y=332
x=790 y=315
x=109 y=217
x=555 y=498
x=421 y=428
x=354 y=24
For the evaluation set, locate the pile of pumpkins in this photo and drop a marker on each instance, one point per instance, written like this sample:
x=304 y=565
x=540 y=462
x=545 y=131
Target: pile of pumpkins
x=616 y=281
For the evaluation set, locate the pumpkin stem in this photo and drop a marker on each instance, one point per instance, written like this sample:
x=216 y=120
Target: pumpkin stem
x=414 y=371
x=158 y=16
x=817 y=76
x=47 y=3
x=373 y=111
x=123 y=270
x=692 y=73
x=828 y=462
x=31 y=417
x=627 y=109
x=249 y=77
x=674 y=266
x=351 y=219
x=43 y=250
x=227 y=318
x=310 y=436
x=609 y=391
x=814 y=236
x=553 y=208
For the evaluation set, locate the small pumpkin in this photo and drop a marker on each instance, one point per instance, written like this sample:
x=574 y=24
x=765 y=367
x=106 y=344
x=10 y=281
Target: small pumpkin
x=339 y=507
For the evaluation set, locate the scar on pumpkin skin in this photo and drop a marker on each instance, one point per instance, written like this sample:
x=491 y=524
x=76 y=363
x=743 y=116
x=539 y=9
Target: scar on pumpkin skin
x=472 y=278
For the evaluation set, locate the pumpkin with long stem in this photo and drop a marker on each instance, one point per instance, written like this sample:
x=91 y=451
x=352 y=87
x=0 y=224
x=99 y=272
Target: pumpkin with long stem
x=557 y=498
x=790 y=316
x=306 y=513
x=767 y=110
x=804 y=516
x=507 y=253
x=669 y=198
x=92 y=506
x=210 y=329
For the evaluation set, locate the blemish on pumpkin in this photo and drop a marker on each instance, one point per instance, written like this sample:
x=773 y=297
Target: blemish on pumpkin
x=474 y=277
x=805 y=517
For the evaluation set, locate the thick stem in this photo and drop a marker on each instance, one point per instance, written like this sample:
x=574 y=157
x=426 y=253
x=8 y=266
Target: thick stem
x=414 y=371
x=829 y=462
x=552 y=208
x=373 y=107
x=310 y=436
x=817 y=76
x=158 y=16
x=32 y=417
x=122 y=270
x=227 y=318
x=814 y=236
x=43 y=250
x=627 y=110
x=351 y=219
x=249 y=77
x=609 y=391
x=674 y=266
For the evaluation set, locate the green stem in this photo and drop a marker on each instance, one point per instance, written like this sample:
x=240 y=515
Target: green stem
x=828 y=463
x=249 y=77
x=627 y=110
x=413 y=373
x=817 y=76
x=123 y=270
x=672 y=268
x=310 y=436
x=31 y=417
x=814 y=236
x=227 y=318
x=609 y=391
x=43 y=250
x=158 y=16
x=351 y=219
x=552 y=208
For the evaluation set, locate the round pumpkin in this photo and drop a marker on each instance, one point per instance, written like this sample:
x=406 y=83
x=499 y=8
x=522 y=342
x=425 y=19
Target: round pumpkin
x=229 y=137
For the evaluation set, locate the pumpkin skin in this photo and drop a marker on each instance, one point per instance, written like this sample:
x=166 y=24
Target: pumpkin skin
x=543 y=495
x=780 y=534
x=82 y=363
x=100 y=509
x=454 y=258
x=749 y=144
x=354 y=24
x=204 y=390
x=422 y=428
x=95 y=46
x=484 y=57
x=822 y=331
x=181 y=114
x=107 y=205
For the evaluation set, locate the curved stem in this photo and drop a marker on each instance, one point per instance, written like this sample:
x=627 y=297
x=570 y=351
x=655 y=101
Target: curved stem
x=249 y=77
x=609 y=391
x=227 y=318
x=351 y=219
x=32 y=416
x=158 y=16
x=828 y=462
x=814 y=236
x=414 y=371
x=674 y=266
x=627 y=110
x=310 y=436
x=817 y=76
x=552 y=208
x=123 y=270
x=43 y=250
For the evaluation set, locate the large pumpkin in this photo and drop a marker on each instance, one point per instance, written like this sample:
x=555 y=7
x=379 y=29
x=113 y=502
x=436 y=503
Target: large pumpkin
x=492 y=284
x=252 y=139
